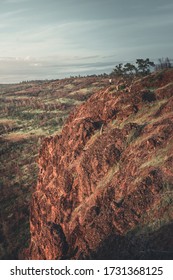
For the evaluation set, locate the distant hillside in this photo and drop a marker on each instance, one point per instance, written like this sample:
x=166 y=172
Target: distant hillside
x=105 y=185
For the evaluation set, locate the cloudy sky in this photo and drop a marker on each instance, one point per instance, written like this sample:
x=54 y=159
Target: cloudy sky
x=44 y=39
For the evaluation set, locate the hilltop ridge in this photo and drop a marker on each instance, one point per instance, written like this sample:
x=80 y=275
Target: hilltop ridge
x=106 y=182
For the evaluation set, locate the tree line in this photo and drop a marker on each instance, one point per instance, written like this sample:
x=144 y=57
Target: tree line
x=141 y=67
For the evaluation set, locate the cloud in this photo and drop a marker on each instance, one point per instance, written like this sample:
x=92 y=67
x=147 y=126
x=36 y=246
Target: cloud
x=165 y=7
x=15 y=1
x=11 y=21
x=3 y=25
x=11 y=14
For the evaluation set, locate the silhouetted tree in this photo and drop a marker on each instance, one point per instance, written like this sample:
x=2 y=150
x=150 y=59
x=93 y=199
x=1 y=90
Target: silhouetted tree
x=143 y=68
x=164 y=63
x=144 y=65
x=130 y=69
x=118 y=70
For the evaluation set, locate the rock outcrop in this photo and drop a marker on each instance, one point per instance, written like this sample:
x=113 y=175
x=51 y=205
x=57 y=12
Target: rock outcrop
x=106 y=182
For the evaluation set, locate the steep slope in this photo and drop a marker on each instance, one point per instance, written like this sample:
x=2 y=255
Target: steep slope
x=29 y=112
x=106 y=182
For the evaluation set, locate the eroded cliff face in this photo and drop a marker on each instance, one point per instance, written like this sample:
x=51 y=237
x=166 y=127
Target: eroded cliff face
x=106 y=182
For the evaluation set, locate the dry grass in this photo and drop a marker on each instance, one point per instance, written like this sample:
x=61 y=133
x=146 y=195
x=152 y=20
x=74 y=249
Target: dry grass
x=7 y=122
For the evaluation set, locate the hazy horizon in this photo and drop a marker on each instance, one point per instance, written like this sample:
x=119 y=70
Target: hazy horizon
x=53 y=72
x=55 y=39
x=48 y=71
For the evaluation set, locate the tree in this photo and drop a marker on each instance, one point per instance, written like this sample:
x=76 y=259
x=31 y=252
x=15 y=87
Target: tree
x=144 y=66
x=168 y=63
x=164 y=63
x=118 y=71
x=130 y=69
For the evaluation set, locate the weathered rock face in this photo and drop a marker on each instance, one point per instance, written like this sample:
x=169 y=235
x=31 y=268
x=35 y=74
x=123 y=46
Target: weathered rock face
x=105 y=184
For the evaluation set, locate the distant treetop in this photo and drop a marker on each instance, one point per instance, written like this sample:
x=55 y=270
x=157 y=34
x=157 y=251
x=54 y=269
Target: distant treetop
x=142 y=67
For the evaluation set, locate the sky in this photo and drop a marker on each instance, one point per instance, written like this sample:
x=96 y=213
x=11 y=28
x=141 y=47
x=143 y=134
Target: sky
x=49 y=39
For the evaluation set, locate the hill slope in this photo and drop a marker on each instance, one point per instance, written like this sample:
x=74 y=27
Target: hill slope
x=106 y=182
x=29 y=112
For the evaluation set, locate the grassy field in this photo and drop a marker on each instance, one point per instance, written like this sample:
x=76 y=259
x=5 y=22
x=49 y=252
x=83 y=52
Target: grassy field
x=29 y=111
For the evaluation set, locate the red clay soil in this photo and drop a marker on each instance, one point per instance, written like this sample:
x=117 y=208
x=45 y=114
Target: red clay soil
x=106 y=182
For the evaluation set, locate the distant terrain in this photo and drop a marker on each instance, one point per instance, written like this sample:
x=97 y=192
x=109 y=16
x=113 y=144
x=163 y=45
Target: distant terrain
x=30 y=111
